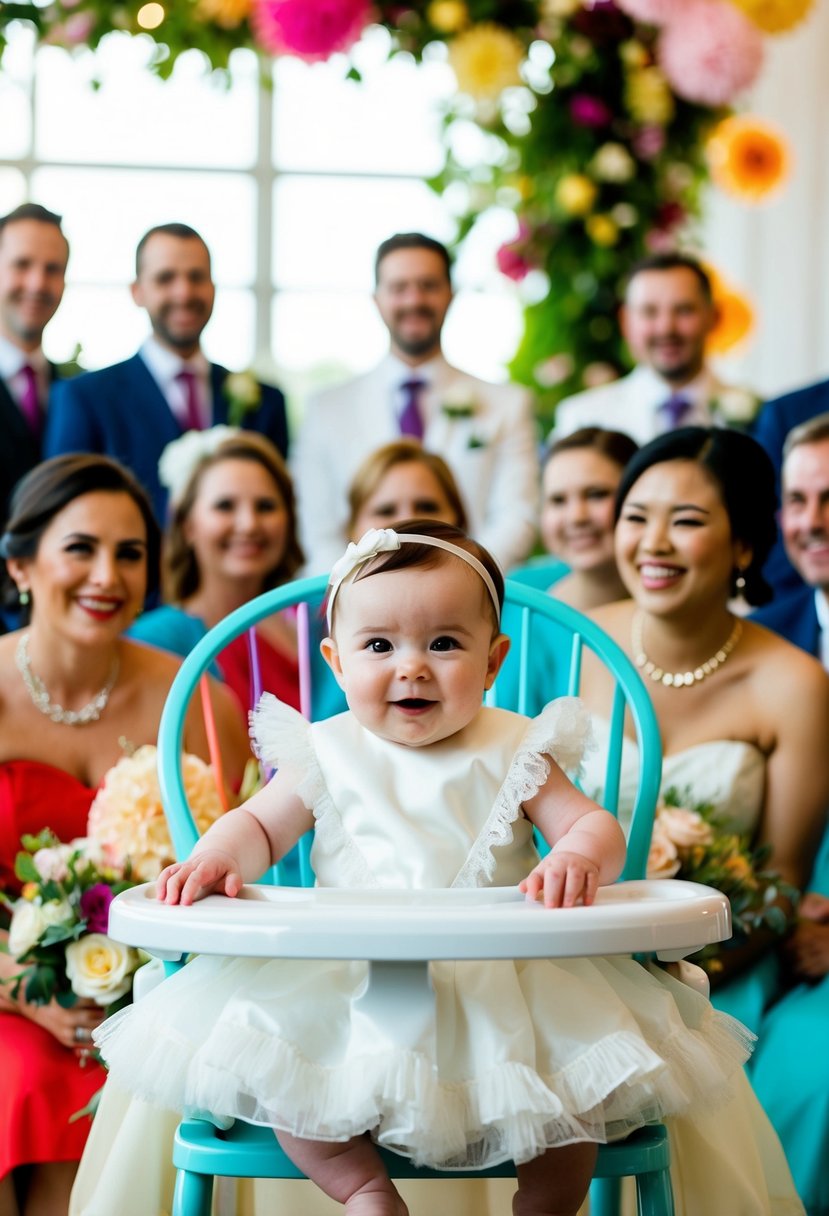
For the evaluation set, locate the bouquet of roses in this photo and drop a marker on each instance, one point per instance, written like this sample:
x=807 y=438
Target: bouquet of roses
x=693 y=842
x=58 y=929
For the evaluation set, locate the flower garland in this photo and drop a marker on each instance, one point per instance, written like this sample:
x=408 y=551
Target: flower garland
x=595 y=117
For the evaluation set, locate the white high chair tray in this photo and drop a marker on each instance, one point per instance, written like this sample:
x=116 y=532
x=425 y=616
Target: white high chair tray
x=668 y=917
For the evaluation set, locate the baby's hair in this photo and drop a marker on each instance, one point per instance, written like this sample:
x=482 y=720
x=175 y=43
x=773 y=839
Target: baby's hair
x=410 y=556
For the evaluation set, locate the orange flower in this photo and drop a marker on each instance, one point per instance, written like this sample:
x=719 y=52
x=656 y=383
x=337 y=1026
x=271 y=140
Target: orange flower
x=775 y=16
x=735 y=317
x=748 y=158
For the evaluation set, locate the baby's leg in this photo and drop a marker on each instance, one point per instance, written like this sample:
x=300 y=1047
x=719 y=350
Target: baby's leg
x=352 y=1173
x=556 y=1183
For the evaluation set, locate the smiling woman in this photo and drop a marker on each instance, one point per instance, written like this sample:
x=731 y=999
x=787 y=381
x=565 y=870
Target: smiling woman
x=81 y=548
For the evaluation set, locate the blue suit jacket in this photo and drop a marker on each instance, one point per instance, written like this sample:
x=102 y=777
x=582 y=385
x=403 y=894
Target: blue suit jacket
x=794 y=617
x=120 y=411
x=775 y=420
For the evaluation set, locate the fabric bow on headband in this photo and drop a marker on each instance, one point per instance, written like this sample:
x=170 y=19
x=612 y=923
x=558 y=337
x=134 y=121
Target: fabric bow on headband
x=386 y=540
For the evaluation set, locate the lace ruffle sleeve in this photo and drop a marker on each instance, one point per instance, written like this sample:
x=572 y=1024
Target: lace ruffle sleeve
x=563 y=731
x=282 y=739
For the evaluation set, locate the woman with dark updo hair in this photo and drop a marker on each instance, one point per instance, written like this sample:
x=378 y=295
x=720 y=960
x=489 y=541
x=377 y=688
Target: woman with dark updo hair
x=744 y=715
x=81 y=551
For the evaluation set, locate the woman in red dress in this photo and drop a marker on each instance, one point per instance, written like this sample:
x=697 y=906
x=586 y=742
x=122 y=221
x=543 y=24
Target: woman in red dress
x=80 y=549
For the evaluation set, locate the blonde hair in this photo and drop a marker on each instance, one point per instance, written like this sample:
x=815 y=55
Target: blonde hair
x=180 y=572
x=378 y=463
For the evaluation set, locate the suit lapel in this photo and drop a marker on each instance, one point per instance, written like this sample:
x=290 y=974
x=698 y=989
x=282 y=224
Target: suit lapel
x=15 y=431
x=218 y=374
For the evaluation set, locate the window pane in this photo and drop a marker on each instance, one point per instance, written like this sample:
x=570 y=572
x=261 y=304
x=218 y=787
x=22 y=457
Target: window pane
x=106 y=211
x=327 y=229
x=15 y=110
x=388 y=123
x=134 y=117
x=333 y=335
x=12 y=189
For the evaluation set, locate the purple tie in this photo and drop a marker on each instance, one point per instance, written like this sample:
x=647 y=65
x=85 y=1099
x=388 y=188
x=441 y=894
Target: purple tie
x=675 y=410
x=411 y=419
x=29 y=400
x=193 y=419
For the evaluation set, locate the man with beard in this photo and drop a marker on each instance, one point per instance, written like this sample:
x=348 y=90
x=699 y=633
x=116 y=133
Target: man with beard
x=666 y=316
x=484 y=431
x=133 y=409
x=33 y=257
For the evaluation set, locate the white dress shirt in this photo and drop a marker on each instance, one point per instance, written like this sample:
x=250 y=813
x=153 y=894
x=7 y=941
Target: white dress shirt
x=164 y=366
x=822 y=610
x=12 y=362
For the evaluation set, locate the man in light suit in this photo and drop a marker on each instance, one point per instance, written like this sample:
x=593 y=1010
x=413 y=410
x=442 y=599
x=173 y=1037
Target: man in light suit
x=33 y=257
x=484 y=431
x=133 y=409
x=666 y=317
x=802 y=615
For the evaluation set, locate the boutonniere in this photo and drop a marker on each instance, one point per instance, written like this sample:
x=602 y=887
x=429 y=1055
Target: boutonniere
x=458 y=403
x=243 y=393
x=737 y=406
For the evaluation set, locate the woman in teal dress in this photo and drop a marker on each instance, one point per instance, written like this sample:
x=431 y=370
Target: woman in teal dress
x=580 y=475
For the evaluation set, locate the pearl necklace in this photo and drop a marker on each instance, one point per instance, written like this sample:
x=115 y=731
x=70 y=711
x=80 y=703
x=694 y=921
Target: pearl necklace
x=680 y=679
x=40 y=697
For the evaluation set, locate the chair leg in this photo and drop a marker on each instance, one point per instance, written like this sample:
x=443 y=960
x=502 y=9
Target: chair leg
x=193 y=1194
x=655 y=1196
x=605 y=1197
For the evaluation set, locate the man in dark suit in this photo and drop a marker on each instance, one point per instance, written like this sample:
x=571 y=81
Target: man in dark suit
x=33 y=257
x=133 y=409
x=802 y=615
x=774 y=422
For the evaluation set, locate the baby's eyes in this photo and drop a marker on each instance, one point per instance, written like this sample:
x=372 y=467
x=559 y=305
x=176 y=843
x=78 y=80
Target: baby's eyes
x=378 y=645
x=444 y=643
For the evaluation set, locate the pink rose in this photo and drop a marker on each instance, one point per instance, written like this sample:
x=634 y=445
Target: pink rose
x=663 y=861
x=683 y=828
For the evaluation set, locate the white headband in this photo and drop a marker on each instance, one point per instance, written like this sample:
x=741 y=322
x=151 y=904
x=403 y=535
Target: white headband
x=385 y=540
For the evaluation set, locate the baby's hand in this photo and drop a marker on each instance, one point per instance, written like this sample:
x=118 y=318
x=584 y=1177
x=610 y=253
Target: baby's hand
x=564 y=879
x=186 y=881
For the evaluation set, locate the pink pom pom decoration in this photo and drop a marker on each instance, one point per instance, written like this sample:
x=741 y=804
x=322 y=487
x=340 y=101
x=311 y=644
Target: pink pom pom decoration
x=651 y=12
x=710 y=51
x=309 y=29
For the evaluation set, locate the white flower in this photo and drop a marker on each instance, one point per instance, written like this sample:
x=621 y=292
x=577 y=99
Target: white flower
x=244 y=388
x=553 y=370
x=663 y=860
x=51 y=863
x=682 y=827
x=180 y=458
x=613 y=163
x=737 y=404
x=457 y=401
x=30 y=920
x=100 y=968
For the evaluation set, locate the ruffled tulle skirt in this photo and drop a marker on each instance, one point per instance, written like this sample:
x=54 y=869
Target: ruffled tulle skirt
x=526 y=1056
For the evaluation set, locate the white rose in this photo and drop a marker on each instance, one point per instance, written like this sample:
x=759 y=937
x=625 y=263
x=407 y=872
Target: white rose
x=100 y=968
x=663 y=861
x=26 y=927
x=613 y=163
x=685 y=828
x=243 y=387
x=738 y=404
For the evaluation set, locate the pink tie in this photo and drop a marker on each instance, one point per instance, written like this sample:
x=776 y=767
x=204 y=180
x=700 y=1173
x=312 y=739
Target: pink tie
x=29 y=400
x=193 y=418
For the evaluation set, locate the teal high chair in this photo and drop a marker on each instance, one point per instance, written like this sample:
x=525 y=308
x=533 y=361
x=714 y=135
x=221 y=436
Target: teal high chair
x=201 y=1151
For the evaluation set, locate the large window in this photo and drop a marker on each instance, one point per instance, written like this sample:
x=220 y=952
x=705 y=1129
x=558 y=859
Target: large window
x=292 y=187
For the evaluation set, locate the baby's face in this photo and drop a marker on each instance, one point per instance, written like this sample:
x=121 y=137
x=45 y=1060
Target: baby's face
x=414 y=651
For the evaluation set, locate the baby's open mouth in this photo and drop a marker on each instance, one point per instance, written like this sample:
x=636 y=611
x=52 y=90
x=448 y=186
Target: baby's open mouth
x=414 y=703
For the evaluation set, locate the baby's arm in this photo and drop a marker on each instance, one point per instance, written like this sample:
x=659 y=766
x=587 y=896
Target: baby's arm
x=588 y=846
x=239 y=846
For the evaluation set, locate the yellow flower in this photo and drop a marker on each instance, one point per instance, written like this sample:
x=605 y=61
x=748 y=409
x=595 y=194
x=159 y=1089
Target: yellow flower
x=559 y=8
x=29 y=890
x=575 y=193
x=633 y=54
x=648 y=96
x=602 y=230
x=775 y=16
x=226 y=13
x=748 y=158
x=486 y=60
x=738 y=867
x=447 y=16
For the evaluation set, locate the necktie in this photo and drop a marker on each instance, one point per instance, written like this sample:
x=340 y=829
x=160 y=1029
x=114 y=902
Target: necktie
x=411 y=419
x=29 y=401
x=675 y=410
x=192 y=419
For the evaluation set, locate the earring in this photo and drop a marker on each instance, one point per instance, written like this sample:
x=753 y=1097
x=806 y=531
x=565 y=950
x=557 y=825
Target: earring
x=24 y=597
x=740 y=581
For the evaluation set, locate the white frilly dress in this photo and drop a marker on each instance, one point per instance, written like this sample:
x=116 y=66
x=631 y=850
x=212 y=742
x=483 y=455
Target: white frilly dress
x=527 y=1056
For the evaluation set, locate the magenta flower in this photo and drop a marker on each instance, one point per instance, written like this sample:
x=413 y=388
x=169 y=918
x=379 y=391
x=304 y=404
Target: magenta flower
x=648 y=142
x=309 y=29
x=94 y=907
x=511 y=258
x=710 y=51
x=589 y=111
